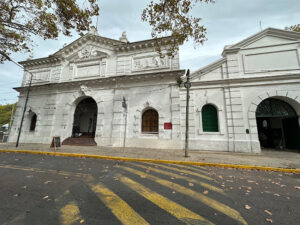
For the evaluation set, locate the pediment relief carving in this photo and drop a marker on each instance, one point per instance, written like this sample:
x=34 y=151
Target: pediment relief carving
x=149 y=62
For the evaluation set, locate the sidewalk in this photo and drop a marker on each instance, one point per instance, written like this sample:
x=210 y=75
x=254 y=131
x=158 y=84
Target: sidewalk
x=268 y=158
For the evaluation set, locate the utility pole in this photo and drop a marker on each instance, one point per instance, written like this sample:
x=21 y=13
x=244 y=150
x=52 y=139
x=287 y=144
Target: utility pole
x=27 y=95
x=24 y=110
x=187 y=85
x=124 y=105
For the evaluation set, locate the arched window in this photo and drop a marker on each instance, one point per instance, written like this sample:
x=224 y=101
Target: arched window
x=150 y=121
x=210 y=119
x=33 y=122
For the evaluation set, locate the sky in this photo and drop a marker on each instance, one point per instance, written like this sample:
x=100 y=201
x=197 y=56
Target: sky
x=227 y=22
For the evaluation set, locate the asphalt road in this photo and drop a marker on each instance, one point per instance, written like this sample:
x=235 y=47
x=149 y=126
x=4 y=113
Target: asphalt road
x=44 y=190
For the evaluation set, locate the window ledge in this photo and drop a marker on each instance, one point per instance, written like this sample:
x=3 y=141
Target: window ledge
x=210 y=133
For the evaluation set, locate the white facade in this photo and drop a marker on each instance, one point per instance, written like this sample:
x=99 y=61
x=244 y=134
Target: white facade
x=262 y=66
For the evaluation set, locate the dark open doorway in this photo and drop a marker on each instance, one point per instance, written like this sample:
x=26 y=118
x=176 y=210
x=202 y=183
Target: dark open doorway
x=85 y=118
x=84 y=124
x=277 y=124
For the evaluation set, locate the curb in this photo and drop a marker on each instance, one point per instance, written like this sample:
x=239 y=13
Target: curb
x=78 y=155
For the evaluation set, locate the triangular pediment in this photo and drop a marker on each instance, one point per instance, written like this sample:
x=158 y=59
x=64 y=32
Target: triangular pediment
x=269 y=40
x=88 y=39
x=267 y=37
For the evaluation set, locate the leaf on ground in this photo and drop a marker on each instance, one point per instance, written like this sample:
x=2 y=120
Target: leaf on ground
x=191 y=184
x=277 y=194
x=297 y=187
x=17 y=195
x=143 y=176
x=220 y=177
x=205 y=192
x=24 y=187
x=45 y=197
x=172 y=178
x=173 y=192
x=81 y=221
x=47 y=182
x=66 y=177
x=269 y=220
x=250 y=181
x=268 y=212
x=247 y=207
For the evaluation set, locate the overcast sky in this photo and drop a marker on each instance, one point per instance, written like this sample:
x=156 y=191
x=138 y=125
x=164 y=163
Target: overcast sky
x=227 y=22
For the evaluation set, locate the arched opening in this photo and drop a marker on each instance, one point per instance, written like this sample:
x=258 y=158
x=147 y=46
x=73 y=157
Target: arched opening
x=85 y=118
x=277 y=125
x=84 y=124
x=33 y=122
x=210 y=121
x=150 y=121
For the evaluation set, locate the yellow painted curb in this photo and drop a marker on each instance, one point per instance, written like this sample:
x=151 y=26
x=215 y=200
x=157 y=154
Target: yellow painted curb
x=78 y=155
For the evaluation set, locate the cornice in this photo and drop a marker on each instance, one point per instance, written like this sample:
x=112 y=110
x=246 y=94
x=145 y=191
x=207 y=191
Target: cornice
x=248 y=80
x=105 y=80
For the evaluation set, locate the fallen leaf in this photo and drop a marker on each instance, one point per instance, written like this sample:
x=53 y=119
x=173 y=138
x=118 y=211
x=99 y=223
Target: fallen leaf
x=191 y=184
x=143 y=176
x=47 y=182
x=269 y=220
x=277 y=194
x=172 y=178
x=205 y=192
x=81 y=221
x=268 y=212
x=17 y=195
x=46 y=197
x=220 y=177
x=173 y=192
x=247 y=207
x=24 y=187
x=250 y=181
x=66 y=177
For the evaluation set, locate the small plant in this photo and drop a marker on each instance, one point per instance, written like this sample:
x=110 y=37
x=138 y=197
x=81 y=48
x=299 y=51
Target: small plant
x=179 y=81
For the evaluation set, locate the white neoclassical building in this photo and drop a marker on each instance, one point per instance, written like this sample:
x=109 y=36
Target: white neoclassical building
x=247 y=100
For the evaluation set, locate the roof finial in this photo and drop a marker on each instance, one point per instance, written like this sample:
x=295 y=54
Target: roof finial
x=123 y=38
x=93 y=30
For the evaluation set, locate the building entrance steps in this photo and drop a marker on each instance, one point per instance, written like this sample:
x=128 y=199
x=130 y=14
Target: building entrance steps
x=83 y=140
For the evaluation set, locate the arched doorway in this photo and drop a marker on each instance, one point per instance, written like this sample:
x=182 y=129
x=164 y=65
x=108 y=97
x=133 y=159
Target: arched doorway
x=277 y=125
x=85 y=118
x=84 y=124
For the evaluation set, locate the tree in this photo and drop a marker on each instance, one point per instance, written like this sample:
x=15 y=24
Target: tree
x=5 y=113
x=20 y=19
x=173 y=17
x=295 y=28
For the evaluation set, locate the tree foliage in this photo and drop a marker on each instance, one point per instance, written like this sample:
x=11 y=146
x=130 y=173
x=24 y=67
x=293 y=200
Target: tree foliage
x=295 y=28
x=173 y=17
x=20 y=19
x=5 y=113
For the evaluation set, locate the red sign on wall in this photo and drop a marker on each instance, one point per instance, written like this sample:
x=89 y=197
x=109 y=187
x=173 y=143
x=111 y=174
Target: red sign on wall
x=168 y=126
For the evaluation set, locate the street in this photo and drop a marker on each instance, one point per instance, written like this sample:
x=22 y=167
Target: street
x=37 y=189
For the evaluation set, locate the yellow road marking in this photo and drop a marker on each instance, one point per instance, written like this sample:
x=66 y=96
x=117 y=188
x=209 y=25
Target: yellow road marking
x=191 y=167
x=183 y=171
x=63 y=173
x=208 y=186
x=69 y=214
x=193 y=194
x=180 y=212
x=119 y=208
